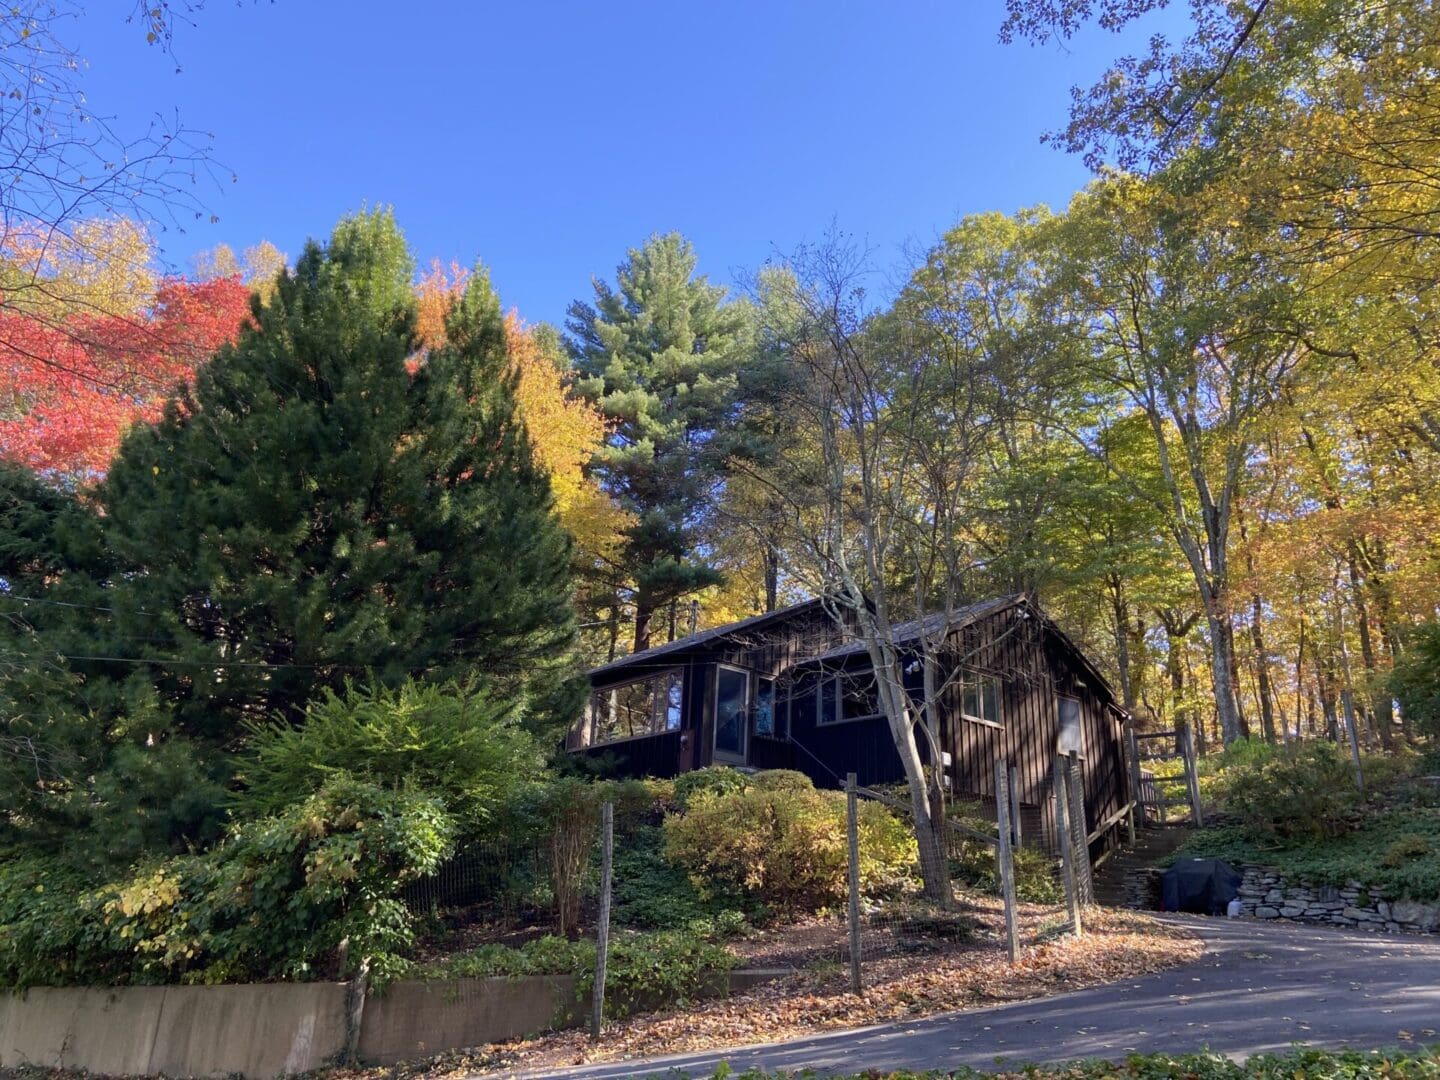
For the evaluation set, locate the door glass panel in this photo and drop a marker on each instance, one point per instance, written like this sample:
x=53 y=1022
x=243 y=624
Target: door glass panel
x=731 y=691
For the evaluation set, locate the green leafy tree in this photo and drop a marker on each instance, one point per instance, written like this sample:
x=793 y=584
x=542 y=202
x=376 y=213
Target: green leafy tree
x=659 y=353
x=323 y=503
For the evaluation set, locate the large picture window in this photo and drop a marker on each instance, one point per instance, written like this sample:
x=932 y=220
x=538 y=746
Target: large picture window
x=646 y=707
x=980 y=700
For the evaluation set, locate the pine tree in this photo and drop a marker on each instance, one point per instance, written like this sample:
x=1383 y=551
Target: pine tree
x=326 y=503
x=659 y=354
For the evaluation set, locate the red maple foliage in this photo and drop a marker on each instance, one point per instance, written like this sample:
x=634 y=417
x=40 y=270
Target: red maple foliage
x=70 y=387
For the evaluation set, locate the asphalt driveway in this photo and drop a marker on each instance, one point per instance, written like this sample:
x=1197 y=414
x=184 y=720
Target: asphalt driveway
x=1259 y=986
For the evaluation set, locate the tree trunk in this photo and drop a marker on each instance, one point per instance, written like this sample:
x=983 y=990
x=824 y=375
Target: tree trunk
x=1262 y=672
x=772 y=580
x=1120 y=613
x=1380 y=709
x=1222 y=671
x=644 y=613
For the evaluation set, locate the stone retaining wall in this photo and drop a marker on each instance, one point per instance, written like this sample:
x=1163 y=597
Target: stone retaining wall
x=1267 y=894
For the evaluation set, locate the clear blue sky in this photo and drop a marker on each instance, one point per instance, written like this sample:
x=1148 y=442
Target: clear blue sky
x=547 y=138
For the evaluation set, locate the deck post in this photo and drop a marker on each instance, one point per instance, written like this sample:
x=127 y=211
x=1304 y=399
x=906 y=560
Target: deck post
x=852 y=835
x=1192 y=776
x=602 y=928
x=1137 y=789
x=1062 y=837
x=1005 y=857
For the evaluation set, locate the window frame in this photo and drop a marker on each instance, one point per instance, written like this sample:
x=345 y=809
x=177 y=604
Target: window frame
x=731 y=757
x=979 y=677
x=756 y=696
x=659 y=707
x=833 y=681
x=1060 y=700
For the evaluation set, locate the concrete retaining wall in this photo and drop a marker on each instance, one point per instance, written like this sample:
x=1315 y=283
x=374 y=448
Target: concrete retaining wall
x=273 y=1029
x=257 y=1030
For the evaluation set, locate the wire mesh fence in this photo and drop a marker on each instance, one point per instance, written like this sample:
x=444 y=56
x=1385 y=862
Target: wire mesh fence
x=831 y=879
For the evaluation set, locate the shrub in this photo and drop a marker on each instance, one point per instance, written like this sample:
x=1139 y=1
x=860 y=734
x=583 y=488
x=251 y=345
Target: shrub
x=781 y=780
x=565 y=817
x=451 y=742
x=715 y=779
x=786 y=848
x=1035 y=878
x=652 y=892
x=1309 y=791
x=667 y=967
x=1403 y=849
x=274 y=900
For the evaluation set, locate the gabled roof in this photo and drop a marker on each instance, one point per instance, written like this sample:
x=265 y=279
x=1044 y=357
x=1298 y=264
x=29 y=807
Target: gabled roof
x=905 y=633
x=914 y=629
x=647 y=657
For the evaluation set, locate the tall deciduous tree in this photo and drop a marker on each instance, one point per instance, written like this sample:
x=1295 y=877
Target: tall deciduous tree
x=659 y=353
x=1190 y=330
x=75 y=378
x=316 y=508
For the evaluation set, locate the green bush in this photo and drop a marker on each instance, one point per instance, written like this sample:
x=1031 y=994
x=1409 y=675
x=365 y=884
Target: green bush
x=274 y=900
x=715 y=779
x=1403 y=849
x=781 y=780
x=1035 y=878
x=652 y=892
x=1308 y=791
x=1299 y=1064
x=786 y=848
x=667 y=967
x=451 y=742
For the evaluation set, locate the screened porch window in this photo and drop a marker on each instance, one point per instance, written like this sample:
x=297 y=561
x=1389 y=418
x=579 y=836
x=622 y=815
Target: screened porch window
x=645 y=707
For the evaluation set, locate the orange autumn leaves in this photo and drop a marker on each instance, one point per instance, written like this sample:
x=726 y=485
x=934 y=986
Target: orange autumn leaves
x=564 y=430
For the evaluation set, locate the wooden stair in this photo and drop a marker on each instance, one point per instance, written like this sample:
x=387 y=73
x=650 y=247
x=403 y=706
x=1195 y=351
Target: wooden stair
x=1152 y=844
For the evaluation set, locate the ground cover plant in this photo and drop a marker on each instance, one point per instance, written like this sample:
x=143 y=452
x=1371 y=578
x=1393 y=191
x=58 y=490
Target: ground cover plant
x=1298 y=1064
x=1300 y=812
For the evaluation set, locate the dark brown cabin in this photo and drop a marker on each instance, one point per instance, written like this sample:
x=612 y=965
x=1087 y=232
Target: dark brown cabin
x=793 y=690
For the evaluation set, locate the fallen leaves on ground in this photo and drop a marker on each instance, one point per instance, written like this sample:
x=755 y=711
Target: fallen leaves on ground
x=899 y=986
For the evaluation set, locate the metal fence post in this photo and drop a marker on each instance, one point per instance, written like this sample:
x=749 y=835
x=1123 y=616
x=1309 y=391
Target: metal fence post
x=1062 y=837
x=1078 y=828
x=852 y=835
x=1014 y=785
x=602 y=929
x=1005 y=857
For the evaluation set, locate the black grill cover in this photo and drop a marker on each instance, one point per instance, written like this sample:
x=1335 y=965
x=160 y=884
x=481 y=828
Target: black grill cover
x=1199 y=886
